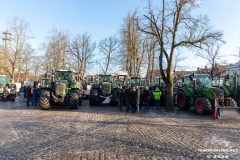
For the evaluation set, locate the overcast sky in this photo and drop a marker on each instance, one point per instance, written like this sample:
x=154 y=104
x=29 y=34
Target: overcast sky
x=103 y=18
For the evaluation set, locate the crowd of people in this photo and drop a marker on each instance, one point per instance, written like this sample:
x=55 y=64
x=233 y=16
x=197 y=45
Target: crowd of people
x=31 y=93
x=135 y=99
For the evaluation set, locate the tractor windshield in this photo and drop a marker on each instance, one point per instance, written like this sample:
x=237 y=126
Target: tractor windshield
x=135 y=81
x=217 y=82
x=230 y=82
x=204 y=80
x=105 y=78
x=46 y=82
x=62 y=75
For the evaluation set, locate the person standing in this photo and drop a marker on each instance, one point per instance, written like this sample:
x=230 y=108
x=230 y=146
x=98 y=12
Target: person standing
x=134 y=99
x=146 y=97
x=138 y=98
x=36 y=94
x=120 y=96
x=157 y=97
x=5 y=93
x=127 y=98
x=28 y=94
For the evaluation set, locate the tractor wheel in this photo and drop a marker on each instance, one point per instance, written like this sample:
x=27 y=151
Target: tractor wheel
x=182 y=101
x=73 y=99
x=93 y=97
x=233 y=103
x=44 y=100
x=202 y=105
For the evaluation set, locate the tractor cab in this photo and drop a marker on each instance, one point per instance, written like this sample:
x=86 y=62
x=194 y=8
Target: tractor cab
x=46 y=83
x=136 y=81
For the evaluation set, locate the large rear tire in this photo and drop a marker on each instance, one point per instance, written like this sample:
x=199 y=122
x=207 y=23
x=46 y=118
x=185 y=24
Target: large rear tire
x=74 y=99
x=182 y=101
x=202 y=105
x=44 y=100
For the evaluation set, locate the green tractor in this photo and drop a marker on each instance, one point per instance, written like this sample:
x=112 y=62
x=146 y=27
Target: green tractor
x=122 y=79
x=62 y=90
x=231 y=86
x=5 y=83
x=103 y=91
x=196 y=90
x=46 y=83
x=136 y=81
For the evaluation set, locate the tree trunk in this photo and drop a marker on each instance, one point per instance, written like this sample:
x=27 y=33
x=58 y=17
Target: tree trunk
x=169 y=97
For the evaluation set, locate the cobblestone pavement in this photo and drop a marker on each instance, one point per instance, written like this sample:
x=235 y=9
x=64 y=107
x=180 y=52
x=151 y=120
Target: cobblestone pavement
x=105 y=133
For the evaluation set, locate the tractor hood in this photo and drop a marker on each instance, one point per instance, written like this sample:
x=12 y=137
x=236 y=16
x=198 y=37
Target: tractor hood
x=218 y=92
x=106 y=88
x=60 y=88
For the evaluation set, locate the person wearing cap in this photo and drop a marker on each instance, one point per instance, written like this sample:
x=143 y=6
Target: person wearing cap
x=157 y=97
x=146 y=97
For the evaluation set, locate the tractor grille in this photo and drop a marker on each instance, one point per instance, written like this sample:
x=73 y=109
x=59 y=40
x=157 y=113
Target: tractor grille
x=60 y=89
x=106 y=87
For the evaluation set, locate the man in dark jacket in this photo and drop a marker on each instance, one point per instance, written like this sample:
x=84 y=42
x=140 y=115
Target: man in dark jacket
x=127 y=98
x=120 y=96
x=134 y=99
x=146 y=97
x=36 y=94
x=28 y=94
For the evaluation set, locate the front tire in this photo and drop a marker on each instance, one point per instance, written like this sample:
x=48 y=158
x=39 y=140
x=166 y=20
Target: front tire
x=44 y=100
x=73 y=99
x=202 y=105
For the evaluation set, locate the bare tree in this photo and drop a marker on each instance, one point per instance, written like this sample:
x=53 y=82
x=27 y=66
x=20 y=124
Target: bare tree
x=23 y=63
x=56 y=50
x=211 y=54
x=151 y=49
x=82 y=49
x=131 y=41
x=173 y=26
x=20 y=36
x=108 y=47
x=178 y=58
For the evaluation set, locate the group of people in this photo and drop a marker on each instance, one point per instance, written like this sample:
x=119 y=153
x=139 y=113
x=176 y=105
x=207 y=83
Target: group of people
x=7 y=90
x=135 y=98
x=32 y=94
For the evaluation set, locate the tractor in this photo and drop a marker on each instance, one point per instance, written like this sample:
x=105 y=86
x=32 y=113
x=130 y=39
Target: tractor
x=103 y=91
x=122 y=79
x=230 y=84
x=5 y=83
x=196 y=89
x=63 y=90
x=46 y=83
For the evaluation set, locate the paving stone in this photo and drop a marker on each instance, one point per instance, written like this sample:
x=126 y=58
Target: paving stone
x=102 y=133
